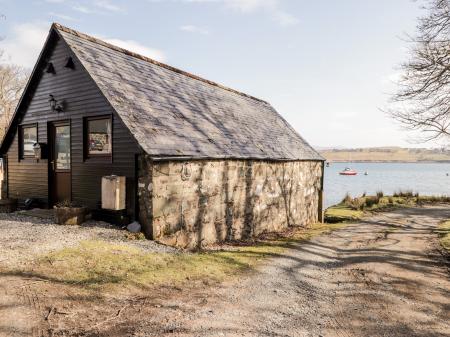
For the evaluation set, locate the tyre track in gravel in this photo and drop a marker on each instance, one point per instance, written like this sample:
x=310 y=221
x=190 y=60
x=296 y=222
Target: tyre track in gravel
x=381 y=277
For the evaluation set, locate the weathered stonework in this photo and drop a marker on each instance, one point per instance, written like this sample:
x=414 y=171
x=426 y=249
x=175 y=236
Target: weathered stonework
x=196 y=203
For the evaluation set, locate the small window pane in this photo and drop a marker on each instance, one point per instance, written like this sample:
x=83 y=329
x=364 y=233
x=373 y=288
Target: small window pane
x=62 y=147
x=99 y=137
x=29 y=135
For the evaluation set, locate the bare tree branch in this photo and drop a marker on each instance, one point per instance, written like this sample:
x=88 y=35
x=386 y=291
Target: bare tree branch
x=423 y=100
x=12 y=81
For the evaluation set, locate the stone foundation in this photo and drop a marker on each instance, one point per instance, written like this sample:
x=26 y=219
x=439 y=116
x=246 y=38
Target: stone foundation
x=196 y=203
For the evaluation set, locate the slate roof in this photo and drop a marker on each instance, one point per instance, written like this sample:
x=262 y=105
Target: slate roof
x=172 y=113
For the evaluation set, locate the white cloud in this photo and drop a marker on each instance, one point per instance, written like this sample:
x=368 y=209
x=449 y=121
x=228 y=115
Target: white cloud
x=82 y=9
x=105 y=4
x=270 y=7
x=284 y=19
x=194 y=29
x=55 y=1
x=247 y=6
x=97 y=7
x=23 y=44
x=62 y=16
x=138 y=48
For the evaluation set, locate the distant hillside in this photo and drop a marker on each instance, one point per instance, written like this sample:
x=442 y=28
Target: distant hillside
x=386 y=154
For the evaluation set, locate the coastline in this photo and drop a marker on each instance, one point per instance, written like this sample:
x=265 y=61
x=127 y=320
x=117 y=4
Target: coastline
x=391 y=161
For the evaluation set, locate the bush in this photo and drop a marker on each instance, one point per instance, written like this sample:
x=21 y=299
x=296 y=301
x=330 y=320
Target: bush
x=356 y=204
x=371 y=201
x=380 y=194
x=347 y=199
x=404 y=194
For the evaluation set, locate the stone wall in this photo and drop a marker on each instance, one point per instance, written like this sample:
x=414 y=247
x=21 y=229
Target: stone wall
x=196 y=203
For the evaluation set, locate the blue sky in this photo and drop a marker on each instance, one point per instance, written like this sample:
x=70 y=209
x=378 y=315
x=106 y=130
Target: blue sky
x=327 y=66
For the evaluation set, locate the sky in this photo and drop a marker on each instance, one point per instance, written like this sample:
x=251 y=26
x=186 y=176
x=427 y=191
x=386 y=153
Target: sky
x=327 y=66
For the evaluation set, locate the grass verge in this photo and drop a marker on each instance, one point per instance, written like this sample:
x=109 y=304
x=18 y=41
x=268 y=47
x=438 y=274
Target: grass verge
x=352 y=209
x=100 y=264
x=342 y=213
x=444 y=235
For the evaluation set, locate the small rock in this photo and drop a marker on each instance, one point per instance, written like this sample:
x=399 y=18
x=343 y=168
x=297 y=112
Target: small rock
x=134 y=227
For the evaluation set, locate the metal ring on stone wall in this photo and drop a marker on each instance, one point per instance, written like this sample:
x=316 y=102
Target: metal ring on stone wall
x=185 y=171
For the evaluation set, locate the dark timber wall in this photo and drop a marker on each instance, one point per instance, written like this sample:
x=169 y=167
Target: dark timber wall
x=28 y=178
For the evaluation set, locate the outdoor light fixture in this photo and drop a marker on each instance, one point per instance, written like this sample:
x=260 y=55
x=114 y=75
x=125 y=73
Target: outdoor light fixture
x=54 y=104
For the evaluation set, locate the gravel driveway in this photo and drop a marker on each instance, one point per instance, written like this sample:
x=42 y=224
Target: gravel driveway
x=381 y=277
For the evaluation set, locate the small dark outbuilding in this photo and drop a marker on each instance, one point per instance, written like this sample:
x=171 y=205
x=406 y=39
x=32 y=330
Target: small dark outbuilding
x=203 y=163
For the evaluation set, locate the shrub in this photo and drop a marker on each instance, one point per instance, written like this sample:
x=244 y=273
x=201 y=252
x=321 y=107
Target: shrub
x=371 y=201
x=404 y=194
x=380 y=194
x=347 y=199
x=391 y=200
x=357 y=204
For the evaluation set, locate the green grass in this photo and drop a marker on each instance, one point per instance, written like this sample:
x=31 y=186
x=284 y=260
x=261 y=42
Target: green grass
x=444 y=234
x=353 y=209
x=342 y=213
x=100 y=265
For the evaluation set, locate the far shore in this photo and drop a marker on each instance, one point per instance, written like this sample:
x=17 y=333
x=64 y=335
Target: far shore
x=391 y=161
x=387 y=155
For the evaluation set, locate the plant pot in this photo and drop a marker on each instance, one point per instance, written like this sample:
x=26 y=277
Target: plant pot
x=70 y=215
x=8 y=205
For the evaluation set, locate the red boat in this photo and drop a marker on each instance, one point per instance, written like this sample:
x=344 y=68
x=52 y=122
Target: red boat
x=348 y=172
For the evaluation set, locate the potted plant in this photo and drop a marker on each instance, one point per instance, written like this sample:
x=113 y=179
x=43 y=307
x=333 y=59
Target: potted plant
x=69 y=213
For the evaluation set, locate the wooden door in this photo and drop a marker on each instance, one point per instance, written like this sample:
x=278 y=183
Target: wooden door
x=60 y=179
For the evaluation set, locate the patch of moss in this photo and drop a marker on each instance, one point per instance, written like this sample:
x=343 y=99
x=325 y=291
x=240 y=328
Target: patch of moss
x=444 y=234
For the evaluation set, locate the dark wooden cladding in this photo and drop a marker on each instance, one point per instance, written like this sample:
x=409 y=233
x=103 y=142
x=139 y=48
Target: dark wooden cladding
x=28 y=178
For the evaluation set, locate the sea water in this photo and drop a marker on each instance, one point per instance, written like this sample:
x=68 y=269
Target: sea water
x=424 y=178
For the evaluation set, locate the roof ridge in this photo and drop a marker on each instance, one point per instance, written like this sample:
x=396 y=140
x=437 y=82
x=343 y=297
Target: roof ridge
x=58 y=26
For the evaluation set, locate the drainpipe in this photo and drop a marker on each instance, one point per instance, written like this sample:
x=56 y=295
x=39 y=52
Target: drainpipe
x=320 y=208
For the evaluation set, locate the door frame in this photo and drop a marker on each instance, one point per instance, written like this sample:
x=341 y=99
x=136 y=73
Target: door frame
x=51 y=152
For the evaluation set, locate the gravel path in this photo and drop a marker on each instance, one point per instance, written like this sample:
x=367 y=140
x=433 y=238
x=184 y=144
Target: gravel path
x=382 y=277
x=23 y=237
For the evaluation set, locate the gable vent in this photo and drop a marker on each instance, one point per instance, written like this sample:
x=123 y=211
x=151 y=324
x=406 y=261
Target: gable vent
x=69 y=63
x=50 y=68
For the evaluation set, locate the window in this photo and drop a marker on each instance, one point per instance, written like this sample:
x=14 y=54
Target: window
x=27 y=139
x=98 y=137
x=62 y=147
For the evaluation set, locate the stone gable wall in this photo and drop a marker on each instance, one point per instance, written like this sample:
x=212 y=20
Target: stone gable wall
x=196 y=203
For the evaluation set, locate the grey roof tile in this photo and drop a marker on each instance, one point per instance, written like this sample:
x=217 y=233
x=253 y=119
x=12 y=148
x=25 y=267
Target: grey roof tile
x=174 y=113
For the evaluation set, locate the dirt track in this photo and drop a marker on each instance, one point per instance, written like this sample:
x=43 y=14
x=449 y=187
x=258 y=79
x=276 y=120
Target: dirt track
x=381 y=277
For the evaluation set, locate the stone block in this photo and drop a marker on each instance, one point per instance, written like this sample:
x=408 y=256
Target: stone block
x=227 y=200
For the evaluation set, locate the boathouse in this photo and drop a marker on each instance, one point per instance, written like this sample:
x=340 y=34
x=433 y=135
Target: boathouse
x=202 y=162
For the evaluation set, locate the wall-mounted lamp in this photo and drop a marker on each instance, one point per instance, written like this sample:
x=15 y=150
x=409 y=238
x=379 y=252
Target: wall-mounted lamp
x=54 y=104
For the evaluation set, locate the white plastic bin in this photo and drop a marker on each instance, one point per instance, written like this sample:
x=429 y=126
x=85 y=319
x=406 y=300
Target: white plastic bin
x=113 y=192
